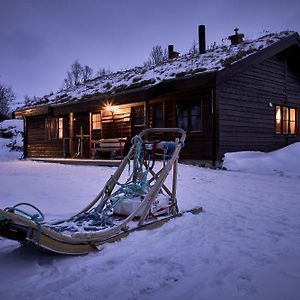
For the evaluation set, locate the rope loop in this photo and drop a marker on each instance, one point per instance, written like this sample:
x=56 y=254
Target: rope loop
x=37 y=218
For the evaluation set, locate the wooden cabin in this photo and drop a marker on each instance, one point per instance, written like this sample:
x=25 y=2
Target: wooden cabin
x=245 y=96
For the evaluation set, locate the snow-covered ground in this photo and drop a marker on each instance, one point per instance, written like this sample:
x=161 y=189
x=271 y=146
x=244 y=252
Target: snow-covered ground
x=12 y=130
x=285 y=161
x=245 y=245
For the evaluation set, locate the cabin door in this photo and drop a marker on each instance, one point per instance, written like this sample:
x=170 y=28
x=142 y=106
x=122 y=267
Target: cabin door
x=82 y=135
x=137 y=119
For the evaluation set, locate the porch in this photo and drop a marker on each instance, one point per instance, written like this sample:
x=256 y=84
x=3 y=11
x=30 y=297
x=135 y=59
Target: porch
x=79 y=161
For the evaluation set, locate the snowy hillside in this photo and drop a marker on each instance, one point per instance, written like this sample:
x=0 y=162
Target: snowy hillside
x=245 y=245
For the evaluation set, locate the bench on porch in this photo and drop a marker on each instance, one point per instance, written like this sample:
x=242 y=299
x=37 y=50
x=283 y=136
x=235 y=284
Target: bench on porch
x=114 y=146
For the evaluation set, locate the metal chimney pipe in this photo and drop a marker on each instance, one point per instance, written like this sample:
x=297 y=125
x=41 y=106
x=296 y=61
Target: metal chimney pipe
x=202 y=46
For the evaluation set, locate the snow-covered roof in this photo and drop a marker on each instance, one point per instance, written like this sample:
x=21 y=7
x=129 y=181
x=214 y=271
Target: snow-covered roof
x=215 y=59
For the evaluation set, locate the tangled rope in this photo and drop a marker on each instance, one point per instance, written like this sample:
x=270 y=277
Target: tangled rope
x=137 y=185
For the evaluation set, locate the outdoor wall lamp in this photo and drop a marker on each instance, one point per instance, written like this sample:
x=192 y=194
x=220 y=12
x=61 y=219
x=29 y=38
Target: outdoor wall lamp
x=112 y=108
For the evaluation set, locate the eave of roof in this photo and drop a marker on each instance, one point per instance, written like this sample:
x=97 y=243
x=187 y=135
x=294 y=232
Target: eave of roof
x=258 y=57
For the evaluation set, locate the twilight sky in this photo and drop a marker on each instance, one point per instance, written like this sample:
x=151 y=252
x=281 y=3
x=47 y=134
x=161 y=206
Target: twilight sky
x=40 y=39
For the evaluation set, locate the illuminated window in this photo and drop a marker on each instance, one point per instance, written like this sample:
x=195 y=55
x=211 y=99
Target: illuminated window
x=285 y=120
x=96 y=121
x=96 y=126
x=54 y=128
x=189 y=116
x=60 y=128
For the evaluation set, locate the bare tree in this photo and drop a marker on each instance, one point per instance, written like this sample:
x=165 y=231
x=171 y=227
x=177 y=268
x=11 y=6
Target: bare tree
x=78 y=74
x=102 y=72
x=76 y=71
x=31 y=100
x=157 y=55
x=87 y=73
x=6 y=96
x=194 y=48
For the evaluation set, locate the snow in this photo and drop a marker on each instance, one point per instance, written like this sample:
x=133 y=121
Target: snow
x=215 y=59
x=285 y=161
x=245 y=245
x=13 y=128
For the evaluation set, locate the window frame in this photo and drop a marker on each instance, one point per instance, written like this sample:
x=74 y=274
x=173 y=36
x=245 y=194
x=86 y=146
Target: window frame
x=190 y=105
x=54 y=128
x=158 y=107
x=96 y=125
x=282 y=119
x=97 y=121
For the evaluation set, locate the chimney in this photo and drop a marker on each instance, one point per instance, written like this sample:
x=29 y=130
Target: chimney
x=171 y=53
x=201 y=31
x=236 y=38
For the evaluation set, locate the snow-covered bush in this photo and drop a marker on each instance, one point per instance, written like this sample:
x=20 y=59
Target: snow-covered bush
x=11 y=135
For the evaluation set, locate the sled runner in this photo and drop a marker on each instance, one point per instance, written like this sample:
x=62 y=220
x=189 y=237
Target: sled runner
x=143 y=201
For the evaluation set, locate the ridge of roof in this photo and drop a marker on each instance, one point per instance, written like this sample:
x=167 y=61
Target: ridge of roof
x=216 y=59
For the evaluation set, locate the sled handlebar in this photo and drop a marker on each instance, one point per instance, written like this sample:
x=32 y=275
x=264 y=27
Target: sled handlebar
x=165 y=130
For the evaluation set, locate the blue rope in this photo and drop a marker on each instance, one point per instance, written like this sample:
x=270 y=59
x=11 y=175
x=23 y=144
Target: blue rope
x=136 y=185
x=39 y=217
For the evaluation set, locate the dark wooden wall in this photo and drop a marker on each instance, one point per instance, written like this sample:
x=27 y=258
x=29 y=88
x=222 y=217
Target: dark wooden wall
x=116 y=125
x=245 y=119
x=198 y=145
x=38 y=144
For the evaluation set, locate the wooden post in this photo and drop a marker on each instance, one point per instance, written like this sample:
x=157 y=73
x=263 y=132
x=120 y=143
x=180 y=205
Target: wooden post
x=81 y=141
x=146 y=114
x=71 y=134
x=25 y=145
x=174 y=185
x=91 y=133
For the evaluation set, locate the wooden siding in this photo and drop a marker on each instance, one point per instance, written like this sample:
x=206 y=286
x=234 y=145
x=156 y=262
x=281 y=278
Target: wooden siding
x=246 y=120
x=198 y=145
x=118 y=124
x=38 y=144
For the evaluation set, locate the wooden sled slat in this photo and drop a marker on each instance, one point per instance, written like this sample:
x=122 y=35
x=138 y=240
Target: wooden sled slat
x=42 y=240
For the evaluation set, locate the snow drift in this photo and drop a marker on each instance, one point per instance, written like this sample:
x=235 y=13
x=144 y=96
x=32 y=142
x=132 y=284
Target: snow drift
x=11 y=139
x=285 y=161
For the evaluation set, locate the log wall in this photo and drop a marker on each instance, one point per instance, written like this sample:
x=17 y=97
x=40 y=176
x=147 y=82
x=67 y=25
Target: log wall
x=246 y=119
x=38 y=144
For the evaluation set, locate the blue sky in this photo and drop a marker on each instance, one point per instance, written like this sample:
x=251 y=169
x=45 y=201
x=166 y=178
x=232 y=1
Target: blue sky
x=40 y=39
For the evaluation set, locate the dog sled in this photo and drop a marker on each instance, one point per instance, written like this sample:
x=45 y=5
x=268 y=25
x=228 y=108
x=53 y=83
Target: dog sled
x=143 y=201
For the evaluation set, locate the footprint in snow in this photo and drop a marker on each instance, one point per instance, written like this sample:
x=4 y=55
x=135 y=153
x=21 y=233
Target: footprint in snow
x=244 y=284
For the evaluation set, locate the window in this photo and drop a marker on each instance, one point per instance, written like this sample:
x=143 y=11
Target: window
x=96 y=121
x=55 y=128
x=158 y=116
x=60 y=128
x=96 y=126
x=138 y=115
x=285 y=120
x=189 y=116
x=137 y=119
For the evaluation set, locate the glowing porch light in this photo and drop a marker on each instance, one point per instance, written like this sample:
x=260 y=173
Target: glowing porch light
x=112 y=108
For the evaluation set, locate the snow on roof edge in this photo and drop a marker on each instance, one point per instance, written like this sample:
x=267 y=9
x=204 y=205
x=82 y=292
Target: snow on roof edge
x=187 y=65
